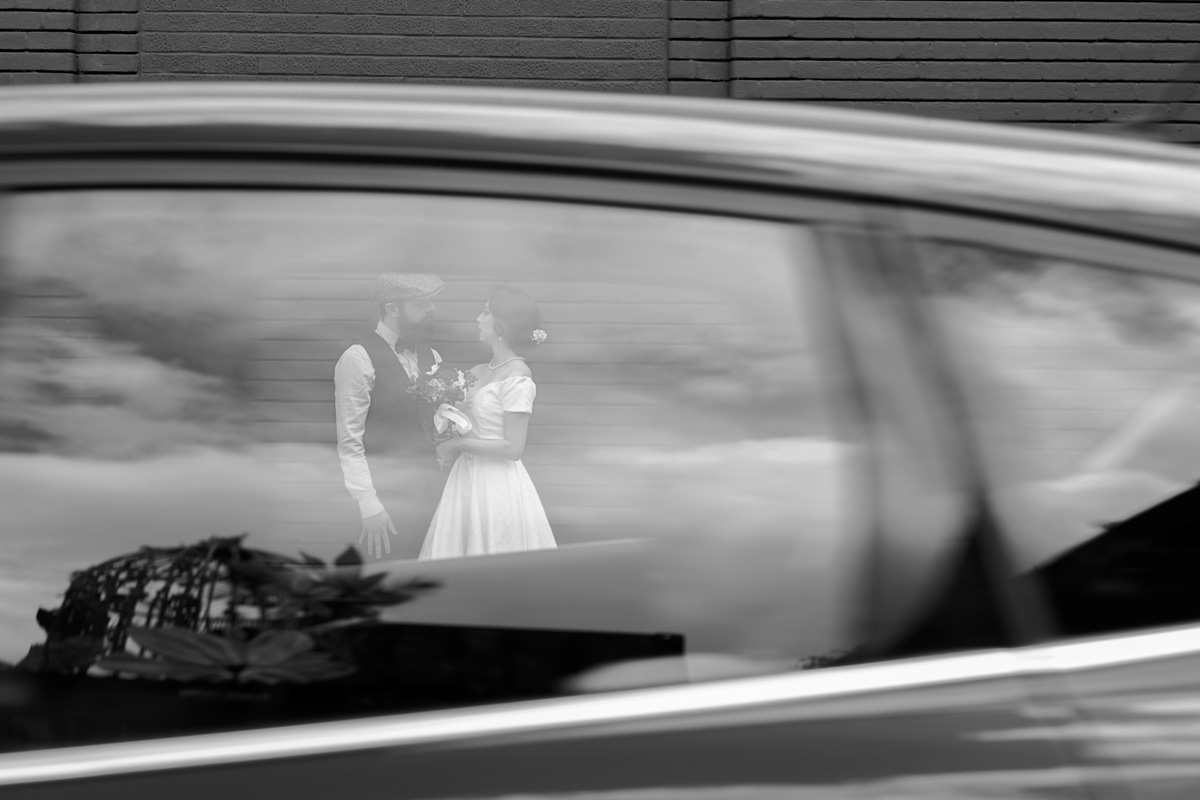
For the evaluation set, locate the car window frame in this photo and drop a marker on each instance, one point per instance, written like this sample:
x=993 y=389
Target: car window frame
x=786 y=206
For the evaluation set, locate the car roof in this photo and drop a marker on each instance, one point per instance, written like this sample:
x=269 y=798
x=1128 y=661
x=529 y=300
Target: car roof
x=1141 y=189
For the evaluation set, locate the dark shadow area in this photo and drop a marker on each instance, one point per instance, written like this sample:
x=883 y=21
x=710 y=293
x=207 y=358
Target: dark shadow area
x=1139 y=573
x=401 y=668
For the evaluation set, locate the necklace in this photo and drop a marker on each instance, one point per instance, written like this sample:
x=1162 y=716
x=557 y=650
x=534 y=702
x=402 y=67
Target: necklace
x=505 y=361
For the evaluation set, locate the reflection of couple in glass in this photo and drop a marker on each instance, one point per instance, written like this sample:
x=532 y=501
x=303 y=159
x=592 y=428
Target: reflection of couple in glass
x=387 y=443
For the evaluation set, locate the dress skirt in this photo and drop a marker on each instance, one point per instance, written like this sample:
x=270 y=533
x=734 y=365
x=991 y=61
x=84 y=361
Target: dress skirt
x=489 y=505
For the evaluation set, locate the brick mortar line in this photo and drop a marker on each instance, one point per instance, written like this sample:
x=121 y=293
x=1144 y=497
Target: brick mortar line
x=924 y=60
x=357 y=37
x=236 y=53
x=394 y=35
x=69 y=30
x=948 y=20
x=352 y=14
x=599 y=37
x=1144 y=42
x=907 y=40
x=397 y=78
x=665 y=81
x=954 y=80
x=902 y=61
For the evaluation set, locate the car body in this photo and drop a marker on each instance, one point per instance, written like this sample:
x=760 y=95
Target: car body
x=981 y=668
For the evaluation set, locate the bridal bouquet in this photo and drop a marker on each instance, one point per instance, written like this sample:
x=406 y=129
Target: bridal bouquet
x=443 y=387
x=442 y=384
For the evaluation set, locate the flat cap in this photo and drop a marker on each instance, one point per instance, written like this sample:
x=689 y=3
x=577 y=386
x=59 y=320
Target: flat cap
x=398 y=286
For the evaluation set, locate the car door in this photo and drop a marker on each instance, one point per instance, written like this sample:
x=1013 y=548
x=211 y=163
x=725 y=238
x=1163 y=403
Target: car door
x=745 y=451
x=1077 y=352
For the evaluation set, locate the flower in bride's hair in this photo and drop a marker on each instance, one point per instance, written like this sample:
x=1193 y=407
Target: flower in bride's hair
x=538 y=335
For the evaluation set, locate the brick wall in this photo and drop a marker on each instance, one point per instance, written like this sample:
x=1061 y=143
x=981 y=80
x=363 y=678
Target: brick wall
x=612 y=45
x=68 y=41
x=1066 y=64
x=699 y=48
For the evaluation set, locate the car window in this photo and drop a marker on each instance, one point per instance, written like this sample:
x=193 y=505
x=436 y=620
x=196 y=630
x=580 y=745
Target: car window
x=1080 y=360
x=189 y=380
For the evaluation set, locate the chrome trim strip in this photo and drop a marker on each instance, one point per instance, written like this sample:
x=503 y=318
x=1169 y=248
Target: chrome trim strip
x=877 y=154
x=1113 y=650
x=314 y=104
x=430 y=727
x=642 y=704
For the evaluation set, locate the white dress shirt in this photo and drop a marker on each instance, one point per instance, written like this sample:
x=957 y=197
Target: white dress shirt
x=353 y=380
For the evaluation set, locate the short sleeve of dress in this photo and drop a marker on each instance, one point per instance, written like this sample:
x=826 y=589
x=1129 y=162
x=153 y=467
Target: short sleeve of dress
x=517 y=393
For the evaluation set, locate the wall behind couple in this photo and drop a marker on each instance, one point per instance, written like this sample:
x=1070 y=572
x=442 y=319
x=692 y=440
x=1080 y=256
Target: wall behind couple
x=609 y=353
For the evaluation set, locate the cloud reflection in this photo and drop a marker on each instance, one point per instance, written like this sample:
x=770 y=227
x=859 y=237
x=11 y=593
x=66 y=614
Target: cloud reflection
x=63 y=514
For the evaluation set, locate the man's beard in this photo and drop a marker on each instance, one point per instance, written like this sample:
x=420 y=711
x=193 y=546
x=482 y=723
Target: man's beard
x=417 y=332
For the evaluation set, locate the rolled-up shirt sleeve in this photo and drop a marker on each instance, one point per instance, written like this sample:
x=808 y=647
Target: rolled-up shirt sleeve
x=353 y=379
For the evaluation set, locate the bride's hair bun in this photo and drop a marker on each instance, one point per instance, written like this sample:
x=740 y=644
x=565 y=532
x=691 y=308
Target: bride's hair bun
x=517 y=319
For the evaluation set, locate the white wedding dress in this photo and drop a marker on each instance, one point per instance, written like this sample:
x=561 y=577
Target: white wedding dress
x=489 y=505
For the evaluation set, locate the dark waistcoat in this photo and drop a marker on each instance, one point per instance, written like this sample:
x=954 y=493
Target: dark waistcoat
x=394 y=420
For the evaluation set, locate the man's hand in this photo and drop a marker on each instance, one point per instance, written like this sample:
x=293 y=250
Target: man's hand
x=375 y=530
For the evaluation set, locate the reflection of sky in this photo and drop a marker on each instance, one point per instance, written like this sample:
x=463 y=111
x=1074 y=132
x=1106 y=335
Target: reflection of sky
x=1155 y=739
x=1078 y=357
x=1085 y=379
x=753 y=531
x=137 y=314
x=1140 y=728
x=955 y=786
x=63 y=514
x=1047 y=784
x=100 y=398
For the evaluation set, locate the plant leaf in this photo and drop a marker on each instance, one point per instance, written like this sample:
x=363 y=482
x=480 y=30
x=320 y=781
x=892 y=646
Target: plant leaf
x=416 y=585
x=275 y=647
x=304 y=668
x=251 y=569
x=46 y=617
x=368 y=582
x=267 y=675
x=349 y=558
x=189 y=646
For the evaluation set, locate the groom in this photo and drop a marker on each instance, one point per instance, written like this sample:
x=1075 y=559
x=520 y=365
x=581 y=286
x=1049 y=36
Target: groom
x=386 y=449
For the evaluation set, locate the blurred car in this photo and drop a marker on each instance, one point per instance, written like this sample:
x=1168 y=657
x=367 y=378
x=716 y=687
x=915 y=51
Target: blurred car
x=869 y=444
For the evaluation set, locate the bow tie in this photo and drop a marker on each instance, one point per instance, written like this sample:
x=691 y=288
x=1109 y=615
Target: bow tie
x=401 y=345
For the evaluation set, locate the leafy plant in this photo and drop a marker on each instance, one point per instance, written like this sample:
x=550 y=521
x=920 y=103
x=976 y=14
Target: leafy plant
x=271 y=657
x=215 y=611
x=316 y=592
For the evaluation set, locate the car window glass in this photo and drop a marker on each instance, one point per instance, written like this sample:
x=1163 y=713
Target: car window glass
x=170 y=454
x=1083 y=377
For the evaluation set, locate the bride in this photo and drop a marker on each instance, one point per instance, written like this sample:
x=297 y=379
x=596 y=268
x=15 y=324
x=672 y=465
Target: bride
x=489 y=504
